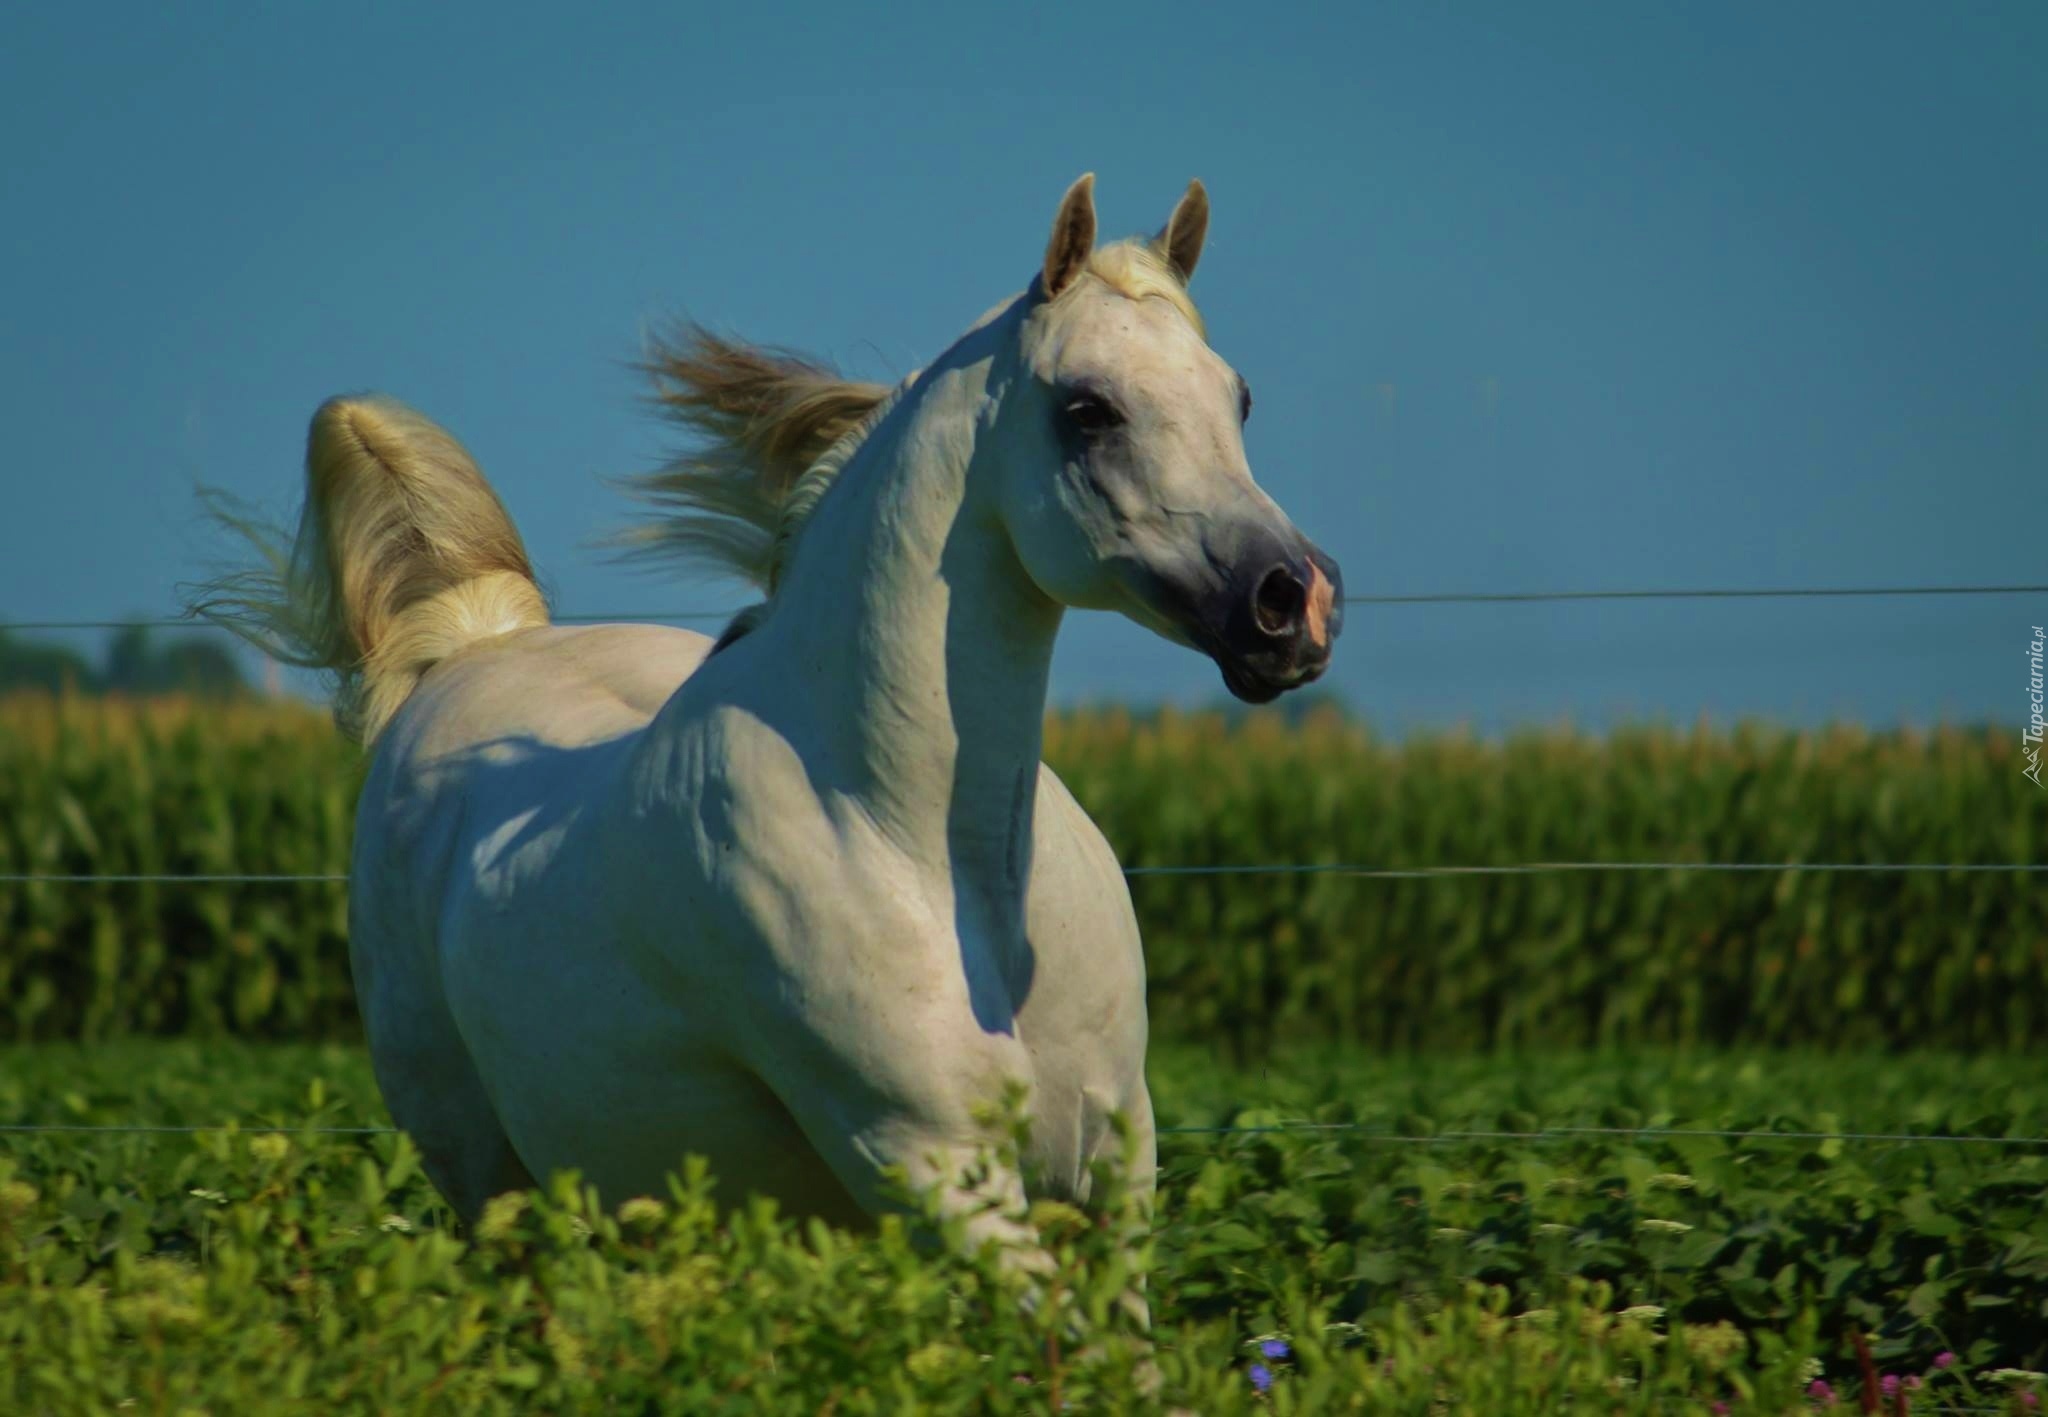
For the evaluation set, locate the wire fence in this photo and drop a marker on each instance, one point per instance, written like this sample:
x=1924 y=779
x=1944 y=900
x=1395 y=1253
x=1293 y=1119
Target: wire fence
x=1366 y=871
x=1532 y=597
x=1342 y=869
x=1539 y=868
x=1361 y=1131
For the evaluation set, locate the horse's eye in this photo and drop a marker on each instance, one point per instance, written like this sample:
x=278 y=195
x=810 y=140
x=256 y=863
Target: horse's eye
x=1092 y=413
x=1244 y=403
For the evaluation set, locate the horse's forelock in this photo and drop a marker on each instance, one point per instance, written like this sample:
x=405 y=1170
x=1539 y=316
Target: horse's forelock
x=1139 y=270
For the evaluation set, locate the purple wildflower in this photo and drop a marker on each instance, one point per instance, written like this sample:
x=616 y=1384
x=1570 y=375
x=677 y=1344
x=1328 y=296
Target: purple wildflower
x=1275 y=1348
x=1821 y=1393
x=1889 y=1384
x=1719 y=1409
x=2030 y=1399
x=1262 y=1376
x=1944 y=1358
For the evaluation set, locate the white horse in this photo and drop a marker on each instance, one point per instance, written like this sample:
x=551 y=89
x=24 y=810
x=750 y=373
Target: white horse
x=804 y=899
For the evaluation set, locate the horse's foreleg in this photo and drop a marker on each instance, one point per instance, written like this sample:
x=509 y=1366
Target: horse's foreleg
x=1135 y=1154
x=967 y=1184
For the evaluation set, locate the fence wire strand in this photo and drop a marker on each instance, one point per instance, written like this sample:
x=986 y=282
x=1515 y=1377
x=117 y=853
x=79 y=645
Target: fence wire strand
x=1531 y=597
x=1343 y=869
x=1362 y=1131
x=200 y=879
x=1365 y=1133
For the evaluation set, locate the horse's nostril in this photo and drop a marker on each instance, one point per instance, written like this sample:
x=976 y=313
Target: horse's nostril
x=1279 y=601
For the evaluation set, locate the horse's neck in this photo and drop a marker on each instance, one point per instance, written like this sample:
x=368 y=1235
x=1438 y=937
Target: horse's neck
x=921 y=645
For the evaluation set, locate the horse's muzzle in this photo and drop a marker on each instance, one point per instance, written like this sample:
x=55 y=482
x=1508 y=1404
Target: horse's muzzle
x=1279 y=625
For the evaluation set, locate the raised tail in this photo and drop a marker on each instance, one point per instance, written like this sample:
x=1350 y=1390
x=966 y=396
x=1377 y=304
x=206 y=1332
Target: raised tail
x=403 y=556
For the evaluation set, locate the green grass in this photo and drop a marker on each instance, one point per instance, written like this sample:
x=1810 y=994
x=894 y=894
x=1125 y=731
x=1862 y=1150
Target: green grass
x=312 y=1273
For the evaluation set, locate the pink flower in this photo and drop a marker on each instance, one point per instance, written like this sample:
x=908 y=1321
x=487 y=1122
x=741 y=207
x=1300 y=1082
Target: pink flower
x=1944 y=1358
x=1719 y=1409
x=1821 y=1393
x=1889 y=1385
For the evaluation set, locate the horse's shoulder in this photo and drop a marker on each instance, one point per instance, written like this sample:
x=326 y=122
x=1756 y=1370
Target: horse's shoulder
x=1069 y=839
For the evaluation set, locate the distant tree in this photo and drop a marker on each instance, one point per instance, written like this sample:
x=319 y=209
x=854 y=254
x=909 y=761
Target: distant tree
x=128 y=660
x=137 y=665
x=25 y=664
x=204 y=667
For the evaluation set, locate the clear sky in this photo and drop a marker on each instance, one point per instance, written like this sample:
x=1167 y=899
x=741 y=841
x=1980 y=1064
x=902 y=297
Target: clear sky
x=1533 y=297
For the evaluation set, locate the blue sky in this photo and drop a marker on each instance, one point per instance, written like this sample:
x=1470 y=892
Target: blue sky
x=1533 y=297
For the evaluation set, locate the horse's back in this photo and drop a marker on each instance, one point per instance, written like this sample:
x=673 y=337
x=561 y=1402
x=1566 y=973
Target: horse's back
x=562 y=686
x=517 y=725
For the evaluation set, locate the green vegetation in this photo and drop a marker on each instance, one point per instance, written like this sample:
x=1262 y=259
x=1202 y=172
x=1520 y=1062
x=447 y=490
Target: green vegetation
x=1545 y=961
x=1440 y=1202
x=1603 y=959
x=309 y=1272
x=172 y=786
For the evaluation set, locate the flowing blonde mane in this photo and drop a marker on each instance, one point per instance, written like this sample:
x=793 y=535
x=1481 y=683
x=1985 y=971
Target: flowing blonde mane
x=760 y=418
x=771 y=429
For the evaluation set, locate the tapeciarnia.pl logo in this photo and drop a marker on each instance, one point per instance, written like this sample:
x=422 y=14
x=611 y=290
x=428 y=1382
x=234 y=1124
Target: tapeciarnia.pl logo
x=2030 y=741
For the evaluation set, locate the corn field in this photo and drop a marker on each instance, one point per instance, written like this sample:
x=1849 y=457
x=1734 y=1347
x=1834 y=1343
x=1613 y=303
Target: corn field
x=1938 y=959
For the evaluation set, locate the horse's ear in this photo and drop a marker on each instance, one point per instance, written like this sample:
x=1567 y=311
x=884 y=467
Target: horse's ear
x=1073 y=236
x=1180 y=242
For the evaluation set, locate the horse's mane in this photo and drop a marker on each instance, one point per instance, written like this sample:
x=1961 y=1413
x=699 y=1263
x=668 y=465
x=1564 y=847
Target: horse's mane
x=772 y=428
x=760 y=419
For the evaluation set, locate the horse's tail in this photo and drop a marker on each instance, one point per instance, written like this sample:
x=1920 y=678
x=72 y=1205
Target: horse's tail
x=403 y=556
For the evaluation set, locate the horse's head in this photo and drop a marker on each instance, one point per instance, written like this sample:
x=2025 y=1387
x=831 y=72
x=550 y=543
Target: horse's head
x=1124 y=479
